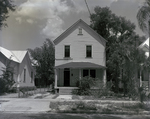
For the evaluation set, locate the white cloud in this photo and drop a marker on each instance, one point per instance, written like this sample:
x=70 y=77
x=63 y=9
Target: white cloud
x=30 y=21
x=53 y=27
x=19 y=20
x=44 y=9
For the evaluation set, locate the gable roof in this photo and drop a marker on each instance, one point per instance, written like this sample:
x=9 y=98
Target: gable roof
x=19 y=55
x=16 y=56
x=145 y=45
x=85 y=26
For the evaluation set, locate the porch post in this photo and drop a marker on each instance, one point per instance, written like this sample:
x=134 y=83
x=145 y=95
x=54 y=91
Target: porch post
x=104 y=77
x=55 y=80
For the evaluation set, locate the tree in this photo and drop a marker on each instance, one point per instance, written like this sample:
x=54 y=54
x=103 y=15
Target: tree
x=121 y=46
x=5 y=7
x=6 y=79
x=43 y=59
x=143 y=17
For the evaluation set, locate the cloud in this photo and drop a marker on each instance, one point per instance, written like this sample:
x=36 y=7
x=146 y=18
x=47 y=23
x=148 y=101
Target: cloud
x=42 y=9
x=53 y=27
x=49 y=10
x=19 y=20
x=30 y=21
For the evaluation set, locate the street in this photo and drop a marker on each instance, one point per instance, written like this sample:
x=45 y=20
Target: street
x=69 y=116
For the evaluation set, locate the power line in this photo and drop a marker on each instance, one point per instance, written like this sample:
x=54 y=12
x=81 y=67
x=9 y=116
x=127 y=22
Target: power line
x=87 y=7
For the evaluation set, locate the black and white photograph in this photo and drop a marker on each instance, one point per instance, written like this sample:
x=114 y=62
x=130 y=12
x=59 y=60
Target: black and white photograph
x=74 y=59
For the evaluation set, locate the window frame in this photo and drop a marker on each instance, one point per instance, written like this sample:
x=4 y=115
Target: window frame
x=89 y=72
x=87 y=53
x=65 y=53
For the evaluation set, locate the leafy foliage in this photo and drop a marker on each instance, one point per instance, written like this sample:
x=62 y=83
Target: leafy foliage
x=5 y=7
x=123 y=59
x=143 y=16
x=84 y=84
x=43 y=59
x=6 y=79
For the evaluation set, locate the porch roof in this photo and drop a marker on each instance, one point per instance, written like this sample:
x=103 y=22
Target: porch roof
x=80 y=65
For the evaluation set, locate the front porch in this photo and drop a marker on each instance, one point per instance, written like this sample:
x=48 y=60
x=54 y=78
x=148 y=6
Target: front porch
x=66 y=75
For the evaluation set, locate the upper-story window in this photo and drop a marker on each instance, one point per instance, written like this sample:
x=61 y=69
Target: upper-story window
x=80 y=31
x=88 y=51
x=67 y=51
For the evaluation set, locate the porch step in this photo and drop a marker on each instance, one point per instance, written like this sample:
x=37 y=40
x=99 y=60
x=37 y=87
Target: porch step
x=65 y=91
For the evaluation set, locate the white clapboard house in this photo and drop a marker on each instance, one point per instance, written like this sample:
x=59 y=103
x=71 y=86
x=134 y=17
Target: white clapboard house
x=20 y=63
x=79 y=52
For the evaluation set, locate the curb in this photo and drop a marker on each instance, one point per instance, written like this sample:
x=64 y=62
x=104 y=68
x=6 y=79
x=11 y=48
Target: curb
x=100 y=112
x=25 y=112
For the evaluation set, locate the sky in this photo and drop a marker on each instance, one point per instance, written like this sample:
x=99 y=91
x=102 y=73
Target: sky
x=35 y=20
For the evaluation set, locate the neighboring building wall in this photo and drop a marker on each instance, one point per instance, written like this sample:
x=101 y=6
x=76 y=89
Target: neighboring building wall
x=78 y=49
x=18 y=68
x=4 y=61
x=25 y=70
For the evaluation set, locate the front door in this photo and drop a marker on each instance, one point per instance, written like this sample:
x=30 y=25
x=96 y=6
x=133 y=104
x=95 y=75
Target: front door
x=66 y=77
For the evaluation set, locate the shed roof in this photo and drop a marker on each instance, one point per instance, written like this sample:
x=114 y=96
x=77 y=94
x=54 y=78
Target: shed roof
x=80 y=65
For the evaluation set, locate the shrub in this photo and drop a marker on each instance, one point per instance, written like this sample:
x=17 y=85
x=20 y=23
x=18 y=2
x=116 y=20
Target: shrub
x=103 y=90
x=26 y=89
x=86 y=106
x=6 y=79
x=2 y=86
x=84 y=85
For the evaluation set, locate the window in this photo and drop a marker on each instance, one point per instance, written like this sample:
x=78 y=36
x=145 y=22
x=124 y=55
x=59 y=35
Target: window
x=89 y=72
x=67 y=51
x=88 y=51
x=80 y=31
x=92 y=73
x=31 y=76
x=85 y=72
x=24 y=75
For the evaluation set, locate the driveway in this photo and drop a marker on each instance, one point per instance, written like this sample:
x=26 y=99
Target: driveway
x=30 y=104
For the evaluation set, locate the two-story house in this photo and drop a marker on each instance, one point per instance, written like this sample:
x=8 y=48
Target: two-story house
x=79 y=52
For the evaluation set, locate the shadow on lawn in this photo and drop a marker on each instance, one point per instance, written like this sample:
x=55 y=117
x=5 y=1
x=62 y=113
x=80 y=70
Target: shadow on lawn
x=74 y=116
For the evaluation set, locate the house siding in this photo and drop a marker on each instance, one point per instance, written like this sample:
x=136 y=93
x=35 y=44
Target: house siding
x=78 y=49
x=18 y=68
x=25 y=65
x=4 y=61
